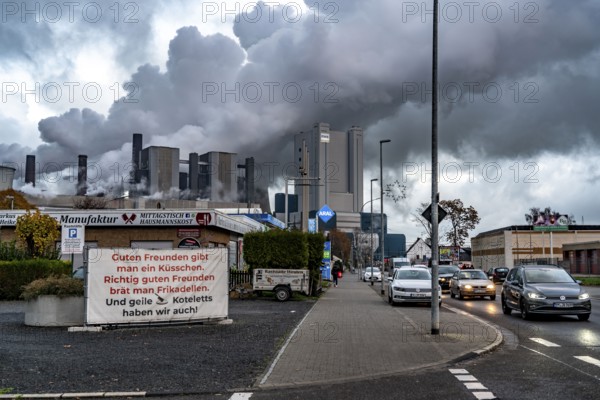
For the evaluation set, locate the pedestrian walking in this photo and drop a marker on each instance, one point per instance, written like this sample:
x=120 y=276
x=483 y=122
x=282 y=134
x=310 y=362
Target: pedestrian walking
x=335 y=272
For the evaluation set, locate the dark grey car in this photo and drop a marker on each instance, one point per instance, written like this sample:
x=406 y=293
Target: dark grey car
x=544 y=289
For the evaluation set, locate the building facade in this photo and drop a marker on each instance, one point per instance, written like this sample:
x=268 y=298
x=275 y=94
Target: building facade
x=335 y=162
x=519 y=244
x=160 y=169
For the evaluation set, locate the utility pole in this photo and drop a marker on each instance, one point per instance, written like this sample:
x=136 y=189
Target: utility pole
x=435 y=251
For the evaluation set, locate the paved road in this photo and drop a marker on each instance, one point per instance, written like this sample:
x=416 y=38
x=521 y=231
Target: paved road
x=351 y=333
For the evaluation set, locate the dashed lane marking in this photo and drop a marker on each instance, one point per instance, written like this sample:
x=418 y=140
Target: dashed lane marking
x=477 y=389
x=589 y=359
x=544 y=342
x=240 y=396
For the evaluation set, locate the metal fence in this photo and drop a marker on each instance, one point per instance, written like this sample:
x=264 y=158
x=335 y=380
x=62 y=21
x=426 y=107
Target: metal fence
x=237 y=278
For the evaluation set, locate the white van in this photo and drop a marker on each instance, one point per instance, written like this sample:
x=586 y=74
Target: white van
x=400 y=262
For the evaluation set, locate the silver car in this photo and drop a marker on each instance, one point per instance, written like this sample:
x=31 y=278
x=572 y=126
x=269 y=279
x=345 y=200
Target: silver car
x=411 y=285
x=472 y=283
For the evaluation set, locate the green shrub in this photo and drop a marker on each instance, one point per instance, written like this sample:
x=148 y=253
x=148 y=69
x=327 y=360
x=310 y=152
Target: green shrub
x=61 y=286
x=18 y=273
x=276 y=250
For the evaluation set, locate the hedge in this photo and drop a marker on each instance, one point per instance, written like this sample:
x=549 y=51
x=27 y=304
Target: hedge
x=14 y=275
x=285 y=250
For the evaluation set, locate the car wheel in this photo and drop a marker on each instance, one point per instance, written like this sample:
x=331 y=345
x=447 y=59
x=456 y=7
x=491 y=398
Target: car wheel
x=460 y=295
x=505 y=309
x=583 y=317
x=524 y=313
x=389 y=298
x=452 y=295
x=282 y=293
x=493 y=297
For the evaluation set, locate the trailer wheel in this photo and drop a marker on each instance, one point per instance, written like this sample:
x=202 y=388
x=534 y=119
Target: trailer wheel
x=282 y=293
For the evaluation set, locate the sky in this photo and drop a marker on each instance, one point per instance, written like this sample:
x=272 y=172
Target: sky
x=519 y=122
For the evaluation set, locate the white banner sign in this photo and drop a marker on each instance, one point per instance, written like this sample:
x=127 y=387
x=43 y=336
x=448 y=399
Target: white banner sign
x=137 y=285
x=72 y=239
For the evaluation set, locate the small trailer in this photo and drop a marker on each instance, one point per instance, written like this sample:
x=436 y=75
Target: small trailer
x=282 y=281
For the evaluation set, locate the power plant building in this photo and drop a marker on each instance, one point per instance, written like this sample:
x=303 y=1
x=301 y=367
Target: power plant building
x=160 y=168
x=335 y=166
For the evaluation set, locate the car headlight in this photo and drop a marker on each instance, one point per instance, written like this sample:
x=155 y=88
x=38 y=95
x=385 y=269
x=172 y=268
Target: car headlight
x=491 y=286
x=584 y=296
x=533 y=295
x=398 y=289
x=468 y=287
x=443 y=279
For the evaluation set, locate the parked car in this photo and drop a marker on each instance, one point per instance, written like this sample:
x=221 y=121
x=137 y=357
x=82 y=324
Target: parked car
x=372 y=273
x=79 y=273
x=445 y=273
x=471 y=282
x=497 y=274
x=544 y=289
x=411 y=285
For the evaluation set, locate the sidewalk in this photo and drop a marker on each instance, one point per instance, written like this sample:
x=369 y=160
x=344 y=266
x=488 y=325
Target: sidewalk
x=353 y=332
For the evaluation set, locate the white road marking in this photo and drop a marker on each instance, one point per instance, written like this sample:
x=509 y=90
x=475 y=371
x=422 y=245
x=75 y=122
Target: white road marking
x=466 y=378
x=544 y=342
x=240 y=396
x=458 y=371
x=561 y=362
x=475 y=386
x=471 y=383
x=484 y=395
x=590 y=360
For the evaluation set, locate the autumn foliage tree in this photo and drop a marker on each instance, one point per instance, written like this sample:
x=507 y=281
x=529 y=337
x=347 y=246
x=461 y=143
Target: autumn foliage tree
x=38 y=233
x=462 y=218
x=340 y=245
x=11 y=199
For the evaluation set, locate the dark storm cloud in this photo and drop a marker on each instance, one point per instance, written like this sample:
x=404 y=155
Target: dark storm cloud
x=359 y=63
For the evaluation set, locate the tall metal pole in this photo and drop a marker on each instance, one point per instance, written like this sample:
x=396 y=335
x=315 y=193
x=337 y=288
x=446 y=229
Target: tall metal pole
x=372 y=180
x=435 y=251
x=382 y=237
x=286 y=202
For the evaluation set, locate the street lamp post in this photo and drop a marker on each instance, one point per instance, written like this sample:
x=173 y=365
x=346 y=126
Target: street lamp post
x=382 y=237
x=12 y=201
x=360 y=212
x=372 y=180
x=435 y=251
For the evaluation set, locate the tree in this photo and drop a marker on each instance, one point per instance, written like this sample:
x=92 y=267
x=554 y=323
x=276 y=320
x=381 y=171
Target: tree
x=37 y=232
x=90 y=203
x=340 y=245
x=11 y=199
x=420 y=220
x=462 y=220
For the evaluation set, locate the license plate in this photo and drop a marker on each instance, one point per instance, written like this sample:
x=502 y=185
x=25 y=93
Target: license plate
x=563 y=305
x=419 y=295
x=479 y=290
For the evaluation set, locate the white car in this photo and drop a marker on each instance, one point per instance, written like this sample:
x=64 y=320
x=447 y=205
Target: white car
x=372 y=273
x=411 y=285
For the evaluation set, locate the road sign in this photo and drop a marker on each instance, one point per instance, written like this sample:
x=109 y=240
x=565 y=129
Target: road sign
x=441 y=213
x=72 y=239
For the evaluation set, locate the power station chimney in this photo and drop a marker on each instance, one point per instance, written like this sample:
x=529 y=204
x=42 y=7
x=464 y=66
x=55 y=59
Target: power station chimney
x=136 y=151
x=30 y=170
x=82 y=176
x=193 y=176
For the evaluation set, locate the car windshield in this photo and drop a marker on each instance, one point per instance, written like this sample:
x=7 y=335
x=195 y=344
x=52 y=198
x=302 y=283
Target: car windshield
x=373 y=270
x=547 y=275
x=473 y=275
x=447 y=270
x=413 y=274
x=501 y=269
